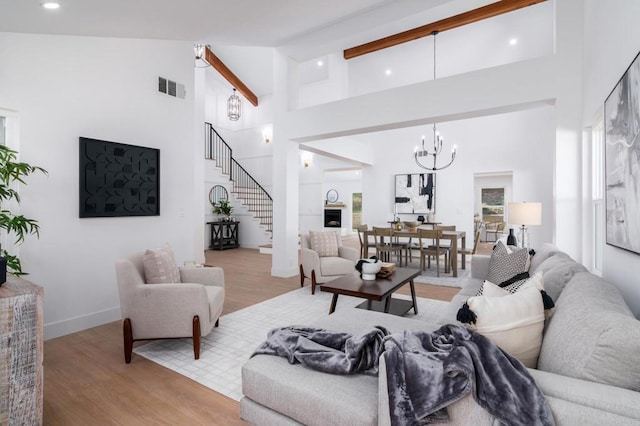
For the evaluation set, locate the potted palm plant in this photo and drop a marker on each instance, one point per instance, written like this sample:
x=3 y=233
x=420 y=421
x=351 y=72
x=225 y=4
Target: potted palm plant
x=13 y=172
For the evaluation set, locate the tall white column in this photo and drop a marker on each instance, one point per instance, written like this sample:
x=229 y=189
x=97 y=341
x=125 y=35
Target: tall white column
x=284 y=261
x=199 y=231
x=567 y=216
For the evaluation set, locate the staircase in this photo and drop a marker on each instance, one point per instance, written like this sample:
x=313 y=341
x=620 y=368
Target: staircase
x=244 y=188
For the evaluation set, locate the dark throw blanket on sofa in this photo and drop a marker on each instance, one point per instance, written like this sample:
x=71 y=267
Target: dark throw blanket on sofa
x=425 y=371
x=326 y=351
x=428 y=371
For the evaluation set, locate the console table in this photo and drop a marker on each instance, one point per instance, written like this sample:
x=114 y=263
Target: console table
x=224 y=235
x=21 y=352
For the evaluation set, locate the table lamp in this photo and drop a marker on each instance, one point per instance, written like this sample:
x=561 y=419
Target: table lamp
x=525 y=214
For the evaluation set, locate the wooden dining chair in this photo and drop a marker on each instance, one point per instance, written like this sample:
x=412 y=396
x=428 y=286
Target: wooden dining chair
x=427 y=249
x=385 y=247
x=471 y=251
x=362 y=237
x=496 y=231
x=446 y=245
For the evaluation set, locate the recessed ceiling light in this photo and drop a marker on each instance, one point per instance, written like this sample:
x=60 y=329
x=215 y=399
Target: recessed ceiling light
x=51 y=5
x=513 y=41
x=387 y=72
x=320 y=63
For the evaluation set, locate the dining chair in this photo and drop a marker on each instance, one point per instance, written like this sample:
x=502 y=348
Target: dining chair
x=471 y=251
x=425 y=237
x=405 y=246
x=361 y=236
x=446 y=245
x=385 y=248
x=496 y=230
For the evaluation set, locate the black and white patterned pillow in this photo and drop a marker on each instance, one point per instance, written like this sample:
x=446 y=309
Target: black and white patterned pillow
x=511 y=285
x=505 y=264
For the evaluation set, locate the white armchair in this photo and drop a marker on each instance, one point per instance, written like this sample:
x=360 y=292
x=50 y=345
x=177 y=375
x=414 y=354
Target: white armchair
x=157 y=311
x=321 y=268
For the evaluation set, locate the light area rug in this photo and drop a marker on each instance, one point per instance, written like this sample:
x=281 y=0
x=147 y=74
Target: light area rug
x=229 y=346
x=429 y=275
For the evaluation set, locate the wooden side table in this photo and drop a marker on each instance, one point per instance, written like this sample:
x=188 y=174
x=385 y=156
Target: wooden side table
x=21 y=352
x=224 y=235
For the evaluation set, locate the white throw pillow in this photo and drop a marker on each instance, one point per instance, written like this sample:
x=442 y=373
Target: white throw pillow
x=324 y=243
x=514 y=322
x=160 y=266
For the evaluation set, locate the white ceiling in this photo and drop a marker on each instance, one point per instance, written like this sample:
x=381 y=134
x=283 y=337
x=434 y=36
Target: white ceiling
x=238 y=22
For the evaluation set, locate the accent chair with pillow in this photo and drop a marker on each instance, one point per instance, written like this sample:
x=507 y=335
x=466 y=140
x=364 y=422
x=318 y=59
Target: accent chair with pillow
x=158 y=300
x=323 y=258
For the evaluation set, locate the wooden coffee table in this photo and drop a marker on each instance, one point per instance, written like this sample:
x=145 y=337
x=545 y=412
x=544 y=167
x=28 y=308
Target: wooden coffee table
x=377 y=292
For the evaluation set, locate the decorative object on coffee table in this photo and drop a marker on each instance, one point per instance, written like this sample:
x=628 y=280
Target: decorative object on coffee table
x=511 y=238
x=370 y=267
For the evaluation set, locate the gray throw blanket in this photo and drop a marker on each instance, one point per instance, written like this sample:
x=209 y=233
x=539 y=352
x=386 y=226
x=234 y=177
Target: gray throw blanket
x=429 y=371
x=425 y=371
x=326 y=351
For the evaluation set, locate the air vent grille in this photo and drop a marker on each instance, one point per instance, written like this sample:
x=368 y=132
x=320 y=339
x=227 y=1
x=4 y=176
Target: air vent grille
x=171 y=88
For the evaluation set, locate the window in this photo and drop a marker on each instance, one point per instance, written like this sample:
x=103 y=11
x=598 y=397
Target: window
x=597 y=194
x=356 y=210
x=492 y=200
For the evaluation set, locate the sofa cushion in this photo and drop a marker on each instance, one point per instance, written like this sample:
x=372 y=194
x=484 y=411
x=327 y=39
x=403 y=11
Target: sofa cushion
x=505 y=263
x=160 y=266
x=558 y=271
x=324 y=243
x=547 y=250
x=514 y=322
x=593 y=335
x=308 y=396
x=330 y=266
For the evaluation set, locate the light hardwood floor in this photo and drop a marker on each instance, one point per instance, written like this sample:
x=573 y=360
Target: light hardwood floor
x=86 y=381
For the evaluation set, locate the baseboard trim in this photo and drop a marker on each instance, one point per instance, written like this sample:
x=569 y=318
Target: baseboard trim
x=285 y=272
x=79 y=323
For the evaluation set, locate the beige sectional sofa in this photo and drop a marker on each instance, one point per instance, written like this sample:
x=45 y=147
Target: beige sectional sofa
x=588 y=369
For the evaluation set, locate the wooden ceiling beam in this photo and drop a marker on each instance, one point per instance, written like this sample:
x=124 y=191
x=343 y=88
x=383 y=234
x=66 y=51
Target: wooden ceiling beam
x=224 y=71
x=475 y=15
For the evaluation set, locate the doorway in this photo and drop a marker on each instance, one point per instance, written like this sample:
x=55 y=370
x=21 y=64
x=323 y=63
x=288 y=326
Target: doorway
x=493 y=193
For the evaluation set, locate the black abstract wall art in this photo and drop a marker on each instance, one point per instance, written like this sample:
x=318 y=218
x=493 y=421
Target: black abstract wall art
x=415 y=193
x=118 y=179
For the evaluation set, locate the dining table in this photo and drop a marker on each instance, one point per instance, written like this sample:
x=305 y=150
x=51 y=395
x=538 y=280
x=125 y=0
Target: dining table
x=452 y=236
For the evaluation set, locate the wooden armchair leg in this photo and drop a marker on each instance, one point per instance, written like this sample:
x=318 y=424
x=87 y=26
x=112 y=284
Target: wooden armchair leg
x=196 y=337
x=127 y=333
x=313 y=281
x=217 y=322
x=301 y=276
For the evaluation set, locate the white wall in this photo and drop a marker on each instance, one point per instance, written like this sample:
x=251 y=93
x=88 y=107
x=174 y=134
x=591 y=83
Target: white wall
x=611 y=40
x=521 y=142
x=106 y=89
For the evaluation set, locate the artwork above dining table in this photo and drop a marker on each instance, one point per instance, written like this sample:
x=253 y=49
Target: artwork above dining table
x=415 y=193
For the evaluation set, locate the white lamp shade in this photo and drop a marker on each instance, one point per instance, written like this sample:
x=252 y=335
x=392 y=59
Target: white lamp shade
x=525 y=213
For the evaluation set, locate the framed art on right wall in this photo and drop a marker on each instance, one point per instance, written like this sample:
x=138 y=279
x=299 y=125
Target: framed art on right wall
x=622 y=160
